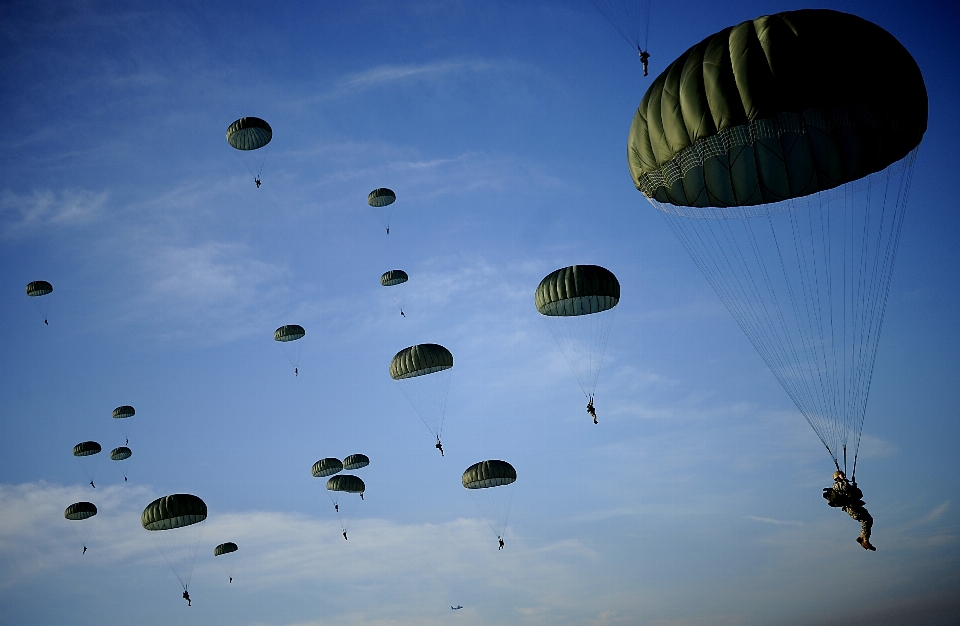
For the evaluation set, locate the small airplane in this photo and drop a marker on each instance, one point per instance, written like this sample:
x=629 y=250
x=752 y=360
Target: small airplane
x=456 y=608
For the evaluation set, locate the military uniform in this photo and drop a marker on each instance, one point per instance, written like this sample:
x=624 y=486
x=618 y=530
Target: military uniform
x=849 y=498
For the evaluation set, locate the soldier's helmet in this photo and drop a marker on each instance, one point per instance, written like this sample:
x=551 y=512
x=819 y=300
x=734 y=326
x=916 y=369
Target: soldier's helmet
x=838 y=474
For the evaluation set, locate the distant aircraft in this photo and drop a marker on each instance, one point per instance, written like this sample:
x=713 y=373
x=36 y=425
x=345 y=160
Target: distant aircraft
x=456 y=608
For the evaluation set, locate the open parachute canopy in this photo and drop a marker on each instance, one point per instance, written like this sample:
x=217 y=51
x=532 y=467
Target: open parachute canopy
x=249 y=133
x=780 y=152
x=356 y=461
x=487 y=474
x=291 y=332
x=381 y=197
x=80 y=511
x=347 y=483
x=393 y=277
x=86 y=448
x=225 y=548
x=122 y=412
x=174 y=511
x=39 y=288
x=121 y=454
x=326 y=467
x=577 y=290
x=420 y=360
x=778 y=107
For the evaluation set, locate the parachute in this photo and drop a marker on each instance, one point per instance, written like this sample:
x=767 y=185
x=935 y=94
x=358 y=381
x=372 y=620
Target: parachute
x=356 y=461
x=780 y=152
x=122 y=414
x=226 y=552
x=85 y=453
x=248 y=134
x=379 y=200
x=577 y=303
x=489 y=484
x=35 y=290
x=423 y=374
x=344 y=505
x=176 y=525
x=286 y=334
x=79 y=511
x=121 y=454
x=394 y=278
x=326 y=467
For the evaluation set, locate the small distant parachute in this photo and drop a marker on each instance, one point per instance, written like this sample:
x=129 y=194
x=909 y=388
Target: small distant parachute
x=356 y=461
x=79 y=511
x=395 y=278
x=577 y=302
x=423 y=374
x=286 y=334
x=35 y=290
x=248 y=134
x=86 y=454
x=121 y=453
x=122 y=414
x=489 y=484
x=345 y=505
x=326 y=467
x=176 y=525
x=379 y=200
x=227 y=558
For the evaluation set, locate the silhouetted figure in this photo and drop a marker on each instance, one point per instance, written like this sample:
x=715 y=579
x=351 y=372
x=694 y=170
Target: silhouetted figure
x=345 y=535
x=361 y=495
x=186 y=596
x=592 y=411
x=439 y=447
x=46 y=322
x=126 y=442
x=500 y=539
x=124 y=479
x=84 y=549
x=231 y=579
x=848 y=497
x=92 y=485
x=257 y=180
x=401 y=313
x=336 y=507
x=296 y=371
x=645 y=60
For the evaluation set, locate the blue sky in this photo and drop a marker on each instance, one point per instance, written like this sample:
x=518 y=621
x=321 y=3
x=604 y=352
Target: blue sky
x=502 y=128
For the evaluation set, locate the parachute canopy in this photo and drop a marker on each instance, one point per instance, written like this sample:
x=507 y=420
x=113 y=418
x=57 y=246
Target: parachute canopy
x=326 y=467
x=86 y=448
x=124 y=411
x=393 y=277
x=419 y=360
x=779 y=107
x=577 y=290
x=173 y=511
x=381 y=197
x=356 y=461
x=39 y=288
x=121 y=454
x=249 y=133
x=347 y=483
x=80 y=511
x=487 y=474
x=291 y=332
x=225 y=548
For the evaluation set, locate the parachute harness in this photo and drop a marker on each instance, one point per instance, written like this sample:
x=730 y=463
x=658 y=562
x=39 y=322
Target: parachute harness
x=829 y=256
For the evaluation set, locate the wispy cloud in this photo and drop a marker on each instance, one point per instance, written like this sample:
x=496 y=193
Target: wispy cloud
x=777 y=522
x=22 y=213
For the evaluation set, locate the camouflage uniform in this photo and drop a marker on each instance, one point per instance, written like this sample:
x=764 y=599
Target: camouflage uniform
x=849 y=498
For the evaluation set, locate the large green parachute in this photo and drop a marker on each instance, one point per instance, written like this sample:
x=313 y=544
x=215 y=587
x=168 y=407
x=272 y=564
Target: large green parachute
x=86 y=448
x=780 y=151
x=489 y=484
x=39 y=288
x=326 y=467
x=80 y=511
x=347 y=483
x=577 y=303
x=393 y=277
x=227 y=558
x=87 y=455
x=120 y=454
x=123 y=412
x=338 y=488
x=423 y=374
x=249 y=133
x=225 y=548
x=176 y=522
x=356 y=461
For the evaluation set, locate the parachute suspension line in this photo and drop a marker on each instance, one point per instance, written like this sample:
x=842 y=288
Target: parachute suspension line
x=582 y=340
x=179 y=549
x=428 y=396
x=494 y=505
x=627 y=18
